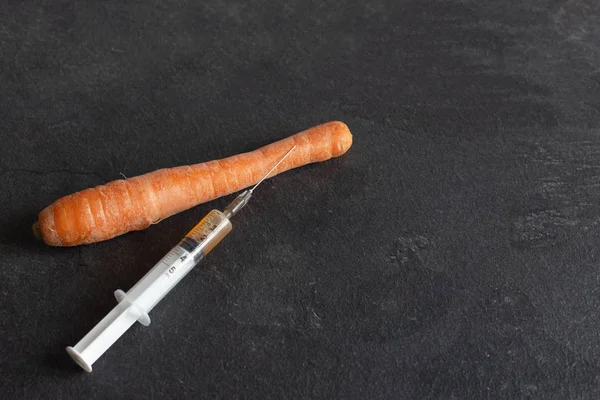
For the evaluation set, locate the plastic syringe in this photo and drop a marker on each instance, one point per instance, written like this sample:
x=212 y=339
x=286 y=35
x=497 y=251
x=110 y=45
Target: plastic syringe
x=144 y=295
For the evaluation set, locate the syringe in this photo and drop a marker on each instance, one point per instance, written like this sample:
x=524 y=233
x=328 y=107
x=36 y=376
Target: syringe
x=144 y=295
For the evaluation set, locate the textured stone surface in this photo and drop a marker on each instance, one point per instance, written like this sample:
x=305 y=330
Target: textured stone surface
x=452 y=253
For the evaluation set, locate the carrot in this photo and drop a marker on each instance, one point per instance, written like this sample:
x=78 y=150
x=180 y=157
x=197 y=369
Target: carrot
x=125 y=205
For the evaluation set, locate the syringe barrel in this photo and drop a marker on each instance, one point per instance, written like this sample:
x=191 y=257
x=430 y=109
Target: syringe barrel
x=144 y=295
x=210 y=231
x=180 y=260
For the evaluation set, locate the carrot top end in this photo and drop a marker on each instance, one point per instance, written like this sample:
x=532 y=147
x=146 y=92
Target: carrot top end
x=36 y=230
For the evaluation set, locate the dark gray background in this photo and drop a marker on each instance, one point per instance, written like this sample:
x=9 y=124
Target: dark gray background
x=451 y=253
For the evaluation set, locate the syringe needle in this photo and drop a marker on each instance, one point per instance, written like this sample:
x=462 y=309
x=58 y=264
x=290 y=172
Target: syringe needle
x=272 y=169
x=240 y=201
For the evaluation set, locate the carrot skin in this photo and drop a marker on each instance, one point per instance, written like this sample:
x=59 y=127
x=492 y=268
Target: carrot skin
x=103 y=212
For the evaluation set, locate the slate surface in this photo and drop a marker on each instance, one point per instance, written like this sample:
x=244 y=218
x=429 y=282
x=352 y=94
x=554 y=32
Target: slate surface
x=452 y=253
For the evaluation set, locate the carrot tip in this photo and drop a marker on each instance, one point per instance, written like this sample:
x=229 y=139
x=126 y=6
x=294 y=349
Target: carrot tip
x=36 y=230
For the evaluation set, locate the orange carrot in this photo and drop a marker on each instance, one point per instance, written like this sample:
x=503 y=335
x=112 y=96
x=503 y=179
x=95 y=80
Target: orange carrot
x=121 y=206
